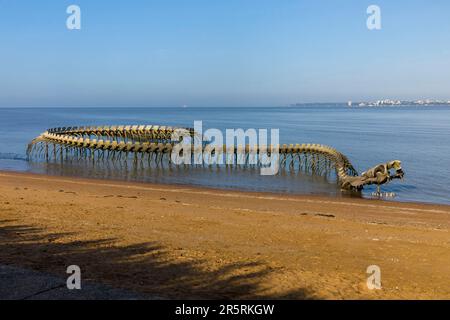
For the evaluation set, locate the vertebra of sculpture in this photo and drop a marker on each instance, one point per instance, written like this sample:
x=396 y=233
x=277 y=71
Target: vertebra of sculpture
x=113 y=143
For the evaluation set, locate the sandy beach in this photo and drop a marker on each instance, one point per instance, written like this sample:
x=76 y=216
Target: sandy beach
x=183 y=242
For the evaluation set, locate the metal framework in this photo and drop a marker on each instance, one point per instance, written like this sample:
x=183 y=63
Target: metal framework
x=154 y=144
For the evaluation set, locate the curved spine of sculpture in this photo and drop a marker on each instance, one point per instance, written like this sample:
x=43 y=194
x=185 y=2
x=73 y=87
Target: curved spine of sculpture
x=155 y=143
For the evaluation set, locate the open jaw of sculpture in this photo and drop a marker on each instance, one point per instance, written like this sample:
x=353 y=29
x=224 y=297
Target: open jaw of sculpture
x=154 y=144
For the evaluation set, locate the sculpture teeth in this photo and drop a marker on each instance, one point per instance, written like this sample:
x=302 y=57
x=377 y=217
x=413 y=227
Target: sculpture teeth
x=154 y=142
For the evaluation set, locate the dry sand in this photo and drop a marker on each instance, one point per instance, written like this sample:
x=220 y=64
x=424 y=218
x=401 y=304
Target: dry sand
x=182 y=242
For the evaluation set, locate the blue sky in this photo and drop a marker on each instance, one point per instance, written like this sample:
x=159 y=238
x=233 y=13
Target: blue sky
x=221 y=53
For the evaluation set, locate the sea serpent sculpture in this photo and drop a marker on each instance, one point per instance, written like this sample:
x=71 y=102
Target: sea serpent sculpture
x=154 y=144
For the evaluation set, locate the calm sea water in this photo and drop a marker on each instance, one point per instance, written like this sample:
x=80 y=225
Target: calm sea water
x=419 y=136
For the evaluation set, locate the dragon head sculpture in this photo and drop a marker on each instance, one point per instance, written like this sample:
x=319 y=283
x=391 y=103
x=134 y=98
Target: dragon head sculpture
x=379 y=175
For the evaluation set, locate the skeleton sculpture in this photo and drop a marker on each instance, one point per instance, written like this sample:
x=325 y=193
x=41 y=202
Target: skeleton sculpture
x=113 y=143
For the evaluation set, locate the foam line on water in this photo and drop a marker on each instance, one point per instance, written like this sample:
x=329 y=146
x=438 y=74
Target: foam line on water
x=12 y=156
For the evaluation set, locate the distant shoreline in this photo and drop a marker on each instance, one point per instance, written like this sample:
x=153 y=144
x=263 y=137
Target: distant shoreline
x=369 y=105
x=306 y=104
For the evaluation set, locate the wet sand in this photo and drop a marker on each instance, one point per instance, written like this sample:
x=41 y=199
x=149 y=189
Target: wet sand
x=183 y=242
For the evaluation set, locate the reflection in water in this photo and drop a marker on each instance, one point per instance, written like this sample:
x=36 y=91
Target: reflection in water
x=239 y=178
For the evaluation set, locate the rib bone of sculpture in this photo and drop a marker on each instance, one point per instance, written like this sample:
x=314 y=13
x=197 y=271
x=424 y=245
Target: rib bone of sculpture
x=113 y=143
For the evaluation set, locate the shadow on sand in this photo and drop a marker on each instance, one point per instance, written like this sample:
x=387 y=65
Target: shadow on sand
x=146 y=268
